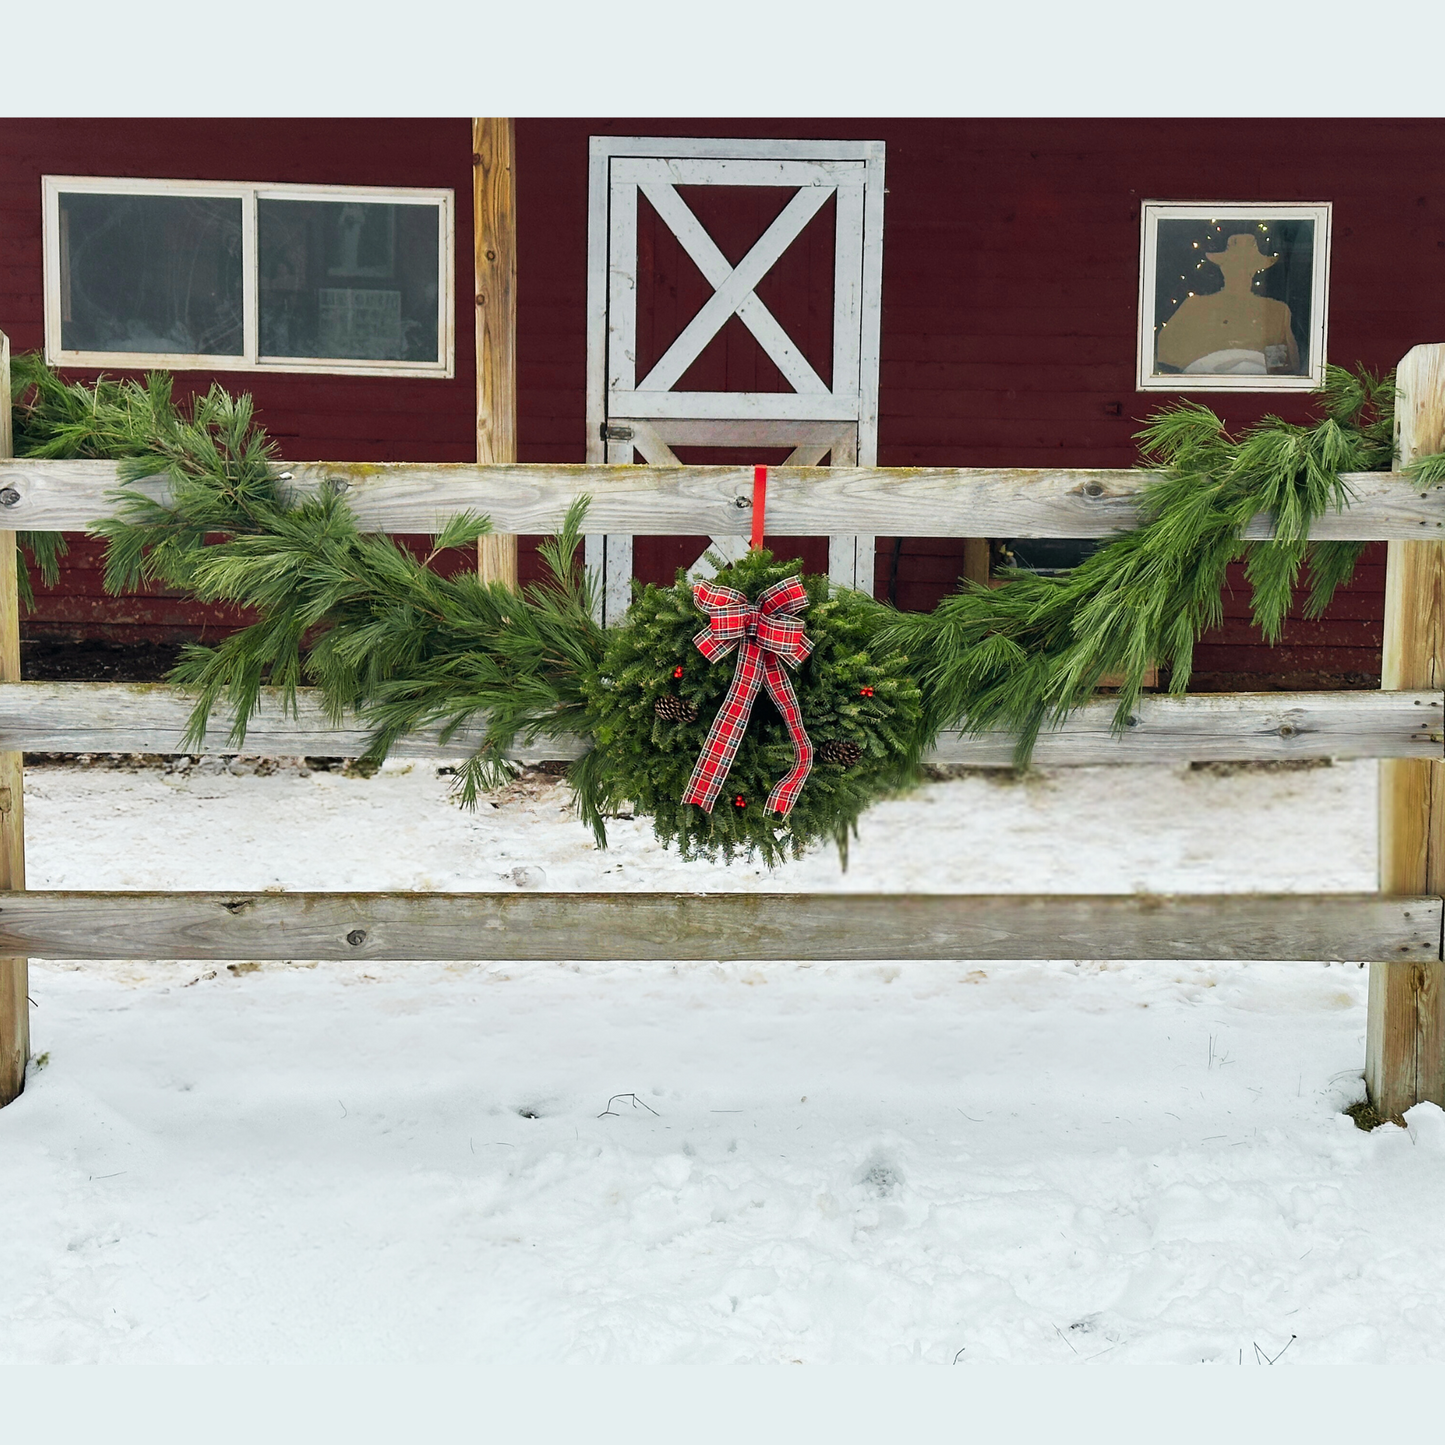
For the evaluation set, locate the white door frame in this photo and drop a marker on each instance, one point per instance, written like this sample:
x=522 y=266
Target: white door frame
x=626 y=416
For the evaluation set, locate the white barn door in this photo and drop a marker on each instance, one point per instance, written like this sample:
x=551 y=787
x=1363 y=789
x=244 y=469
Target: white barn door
x=628 y=415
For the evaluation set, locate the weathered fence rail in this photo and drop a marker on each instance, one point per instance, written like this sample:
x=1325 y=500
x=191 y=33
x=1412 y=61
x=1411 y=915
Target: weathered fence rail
x=716 y=501
x=78 y=717
x=722 y=926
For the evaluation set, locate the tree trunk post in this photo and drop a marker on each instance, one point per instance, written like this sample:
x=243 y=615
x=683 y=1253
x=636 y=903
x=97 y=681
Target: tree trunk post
x=494 y=237
x=1405 y=1037
x=14 y=972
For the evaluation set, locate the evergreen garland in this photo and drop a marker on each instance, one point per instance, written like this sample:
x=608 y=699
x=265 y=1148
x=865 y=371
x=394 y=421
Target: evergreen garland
x=850 y=689
x=373 y=628
x=1023 y=656
x=382 y=636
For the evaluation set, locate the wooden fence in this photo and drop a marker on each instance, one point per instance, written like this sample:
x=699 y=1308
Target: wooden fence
x=1398 y=930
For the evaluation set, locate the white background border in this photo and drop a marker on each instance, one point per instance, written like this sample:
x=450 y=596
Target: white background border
x=765 y=58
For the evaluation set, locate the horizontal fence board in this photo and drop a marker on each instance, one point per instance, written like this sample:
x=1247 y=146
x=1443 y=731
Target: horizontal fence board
x=71 y=717
x=137 y=717
x=417 y=497
x=1229 y=727
x=667 y=926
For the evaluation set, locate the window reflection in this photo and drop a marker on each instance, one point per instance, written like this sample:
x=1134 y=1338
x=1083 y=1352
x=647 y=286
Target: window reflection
x=151 y=274
x=348 y=279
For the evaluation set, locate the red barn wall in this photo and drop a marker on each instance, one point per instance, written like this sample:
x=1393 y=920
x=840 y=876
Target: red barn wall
x=1009 y=296
x=337 y=418
x=1010 y=304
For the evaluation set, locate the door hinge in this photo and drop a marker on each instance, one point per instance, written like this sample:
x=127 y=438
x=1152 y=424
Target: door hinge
x=612 y=432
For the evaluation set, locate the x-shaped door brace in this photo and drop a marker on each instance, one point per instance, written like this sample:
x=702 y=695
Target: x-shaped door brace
x=733 y=288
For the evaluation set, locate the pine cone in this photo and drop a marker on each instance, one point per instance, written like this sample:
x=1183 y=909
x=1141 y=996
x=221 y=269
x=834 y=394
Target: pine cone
x=674 y=709
x=840 y=751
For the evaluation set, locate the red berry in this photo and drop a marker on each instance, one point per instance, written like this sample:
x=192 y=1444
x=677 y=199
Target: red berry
x=677 y=672
x=740 y=801
x=865 y=692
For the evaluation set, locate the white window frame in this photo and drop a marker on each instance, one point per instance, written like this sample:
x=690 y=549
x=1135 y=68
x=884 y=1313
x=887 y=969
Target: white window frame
x=1151 y=212
x=248 y=193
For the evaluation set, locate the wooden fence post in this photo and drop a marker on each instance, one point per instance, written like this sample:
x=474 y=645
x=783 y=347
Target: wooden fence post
x=1405 y=1038
x=494 y=236
x=14 y=972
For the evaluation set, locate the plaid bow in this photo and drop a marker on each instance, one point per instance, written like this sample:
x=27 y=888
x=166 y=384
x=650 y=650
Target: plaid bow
x=766 y=636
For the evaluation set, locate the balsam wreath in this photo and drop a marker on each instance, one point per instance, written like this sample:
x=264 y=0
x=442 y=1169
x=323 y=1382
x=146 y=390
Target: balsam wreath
x=855 y=692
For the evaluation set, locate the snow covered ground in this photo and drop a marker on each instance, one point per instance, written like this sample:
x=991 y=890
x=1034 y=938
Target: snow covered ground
x=1031 y=1162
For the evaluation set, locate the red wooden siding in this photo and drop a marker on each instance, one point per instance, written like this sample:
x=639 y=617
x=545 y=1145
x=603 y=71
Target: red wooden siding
x=1010 y=293
x=1341 y=649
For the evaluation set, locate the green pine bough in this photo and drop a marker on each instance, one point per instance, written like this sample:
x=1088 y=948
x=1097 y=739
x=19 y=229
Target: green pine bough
x=384 y=638
x=1022 y=657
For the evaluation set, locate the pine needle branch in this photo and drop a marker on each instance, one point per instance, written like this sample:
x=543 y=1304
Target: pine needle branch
x=1022 y=656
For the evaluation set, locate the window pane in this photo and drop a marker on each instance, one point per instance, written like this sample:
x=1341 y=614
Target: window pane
x=1233 y=298
x=1048 y=556
x=349 y=279
x=150 y=274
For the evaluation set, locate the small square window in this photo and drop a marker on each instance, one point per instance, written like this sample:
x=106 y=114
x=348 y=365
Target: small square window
x=1233 y=297
x=235 y=276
